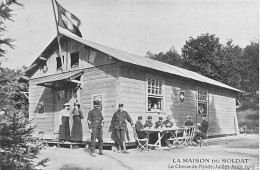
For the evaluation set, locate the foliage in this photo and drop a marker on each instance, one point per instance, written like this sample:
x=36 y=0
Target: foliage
x=228 y=63
x=10 y=90
x=171 y=57
x=201 y=55
x=6 y=14
x=18 y=148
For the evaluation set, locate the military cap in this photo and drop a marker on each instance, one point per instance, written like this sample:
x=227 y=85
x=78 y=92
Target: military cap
x=120 y=105
x=76 y=104
x=149 y=117
x=140 y=117
x=96 y=102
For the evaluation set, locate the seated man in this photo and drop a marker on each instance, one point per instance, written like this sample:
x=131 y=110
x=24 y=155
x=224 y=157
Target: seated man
x=168 y=124
x=149 y=122
x=159 y=123
x=202 y=131
x=140 y=128
x=187 y=122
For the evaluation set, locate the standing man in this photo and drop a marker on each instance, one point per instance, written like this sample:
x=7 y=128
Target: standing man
x=119 y=123
x=95 y=124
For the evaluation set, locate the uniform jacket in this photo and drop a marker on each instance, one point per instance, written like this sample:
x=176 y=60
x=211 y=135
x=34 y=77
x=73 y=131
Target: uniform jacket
x=148 y=124
x=188 y=123
x=158 y=124
x=139 y=126
x=204 y=126
x=119 y=119
x=94 y=118
x=167 y=123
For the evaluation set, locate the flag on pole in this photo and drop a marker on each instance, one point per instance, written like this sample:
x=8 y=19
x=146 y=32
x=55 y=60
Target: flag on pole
x=67 y=20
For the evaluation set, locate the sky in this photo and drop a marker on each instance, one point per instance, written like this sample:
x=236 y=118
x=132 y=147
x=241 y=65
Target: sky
x=134 y=26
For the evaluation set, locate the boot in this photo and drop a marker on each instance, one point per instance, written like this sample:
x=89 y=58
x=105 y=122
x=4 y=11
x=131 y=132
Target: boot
x=124 y=148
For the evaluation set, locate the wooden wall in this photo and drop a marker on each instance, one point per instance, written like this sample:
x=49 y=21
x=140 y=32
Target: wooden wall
x=221 y=102
x=68 y=47
x=99 y=80
x=44 y=121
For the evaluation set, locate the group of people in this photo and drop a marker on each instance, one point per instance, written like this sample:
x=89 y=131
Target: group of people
x=96 y=121
x=95 y=124
x=201 y=131
x=64 y=128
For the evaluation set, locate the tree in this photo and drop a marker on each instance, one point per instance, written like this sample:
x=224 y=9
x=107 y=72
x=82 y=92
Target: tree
x=6 y=14
x=170 y=57
x=201 y=55
x=250 y=74
x=18 y=148
x=229 y=64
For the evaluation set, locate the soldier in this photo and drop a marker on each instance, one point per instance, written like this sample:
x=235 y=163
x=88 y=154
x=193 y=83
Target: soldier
x=149 y=122
x=119 y=123
x=95 y=124
x=159 y=123
x=140 y=128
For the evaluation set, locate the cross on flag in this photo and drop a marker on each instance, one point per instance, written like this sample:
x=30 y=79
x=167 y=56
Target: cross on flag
x=67 y=20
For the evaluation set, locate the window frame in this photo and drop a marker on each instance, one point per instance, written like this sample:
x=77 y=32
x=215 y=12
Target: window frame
x=72 y=56
x=162 y=96
x=59 y=68
x=41 y=115
x=202 y=102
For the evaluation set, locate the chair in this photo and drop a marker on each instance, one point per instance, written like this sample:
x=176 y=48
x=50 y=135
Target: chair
x=203 y=139
x=182 y=140
x=142 y=144
x=190 y=135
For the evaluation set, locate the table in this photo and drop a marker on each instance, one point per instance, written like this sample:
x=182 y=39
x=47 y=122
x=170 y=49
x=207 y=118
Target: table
x=161 y=132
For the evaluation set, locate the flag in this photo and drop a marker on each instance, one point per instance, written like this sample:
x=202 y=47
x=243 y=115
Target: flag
x=67 y=20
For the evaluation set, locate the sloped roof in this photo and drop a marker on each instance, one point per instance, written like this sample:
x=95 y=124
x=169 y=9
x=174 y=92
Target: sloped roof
x=148 y=63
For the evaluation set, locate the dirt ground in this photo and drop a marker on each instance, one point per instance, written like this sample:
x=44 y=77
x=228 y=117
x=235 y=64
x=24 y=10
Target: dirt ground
x=233 y=152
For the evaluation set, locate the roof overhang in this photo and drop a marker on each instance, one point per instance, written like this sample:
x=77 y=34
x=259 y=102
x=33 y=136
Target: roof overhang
x=62 y=80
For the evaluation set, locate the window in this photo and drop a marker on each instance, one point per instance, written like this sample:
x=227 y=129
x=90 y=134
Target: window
x=44 y=68
x=40 y=109
x=59 y=64
x=202 y=101
x=154 y=95
x=74 y=58
x=71 y=94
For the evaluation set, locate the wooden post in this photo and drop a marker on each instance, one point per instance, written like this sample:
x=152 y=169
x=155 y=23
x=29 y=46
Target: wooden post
x=58 y=36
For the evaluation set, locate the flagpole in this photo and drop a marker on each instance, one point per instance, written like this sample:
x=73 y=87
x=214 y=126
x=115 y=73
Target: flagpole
x=58 y=35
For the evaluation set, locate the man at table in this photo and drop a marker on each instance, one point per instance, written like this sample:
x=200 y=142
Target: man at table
x=119 y=123
x=140 y=128
x=203 y=130
x=148 y=123
x=168 y=124
x=188 y=122
x=159 y=123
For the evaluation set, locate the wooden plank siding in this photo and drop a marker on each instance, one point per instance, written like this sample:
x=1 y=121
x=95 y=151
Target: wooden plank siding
x=221 y=102
x=99 y=80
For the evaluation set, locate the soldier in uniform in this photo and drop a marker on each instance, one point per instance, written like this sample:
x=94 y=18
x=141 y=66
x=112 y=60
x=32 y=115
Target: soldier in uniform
x=119 y=123
x=148 y=122
x=140 y=128
x=95 y=124
x=168 y=124
x=159 y=123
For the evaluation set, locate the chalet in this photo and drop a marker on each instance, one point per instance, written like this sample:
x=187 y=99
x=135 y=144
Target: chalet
x=92 y=71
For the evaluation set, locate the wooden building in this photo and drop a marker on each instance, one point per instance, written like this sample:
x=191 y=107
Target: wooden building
x=93 y=71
